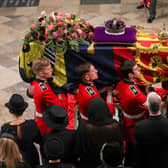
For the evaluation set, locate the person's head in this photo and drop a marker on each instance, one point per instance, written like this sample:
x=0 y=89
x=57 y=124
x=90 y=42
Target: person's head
x=130 y=70
x=100 y=122
x=154 y=103
x=53 y=149
x=41 y=67
x=112 y=154
x=87 y=72
x=150 y=89
x=56 y=117
x=16 y=105
x=9 y=152
x=98 y=112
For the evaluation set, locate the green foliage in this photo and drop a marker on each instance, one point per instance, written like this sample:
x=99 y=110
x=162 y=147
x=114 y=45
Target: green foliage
x=60 y=30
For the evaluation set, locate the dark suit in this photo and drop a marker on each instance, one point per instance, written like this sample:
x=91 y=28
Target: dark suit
x=151 y=142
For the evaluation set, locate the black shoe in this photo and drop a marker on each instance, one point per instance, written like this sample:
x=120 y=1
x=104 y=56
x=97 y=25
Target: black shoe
x=140 y=6
x=150 y=19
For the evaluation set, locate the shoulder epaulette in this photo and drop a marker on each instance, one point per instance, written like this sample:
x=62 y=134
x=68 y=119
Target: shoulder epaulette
x=90 y=91
x=133 y=89
x=42 y=86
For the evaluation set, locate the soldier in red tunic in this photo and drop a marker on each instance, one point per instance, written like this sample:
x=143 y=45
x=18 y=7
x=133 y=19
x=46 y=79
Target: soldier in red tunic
x=43 y=94
x=132 y=102
x=143 y=3
x=151 y=5
x=86 y=90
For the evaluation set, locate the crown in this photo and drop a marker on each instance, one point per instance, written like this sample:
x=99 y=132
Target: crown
x=163 y=34
x=114 y=27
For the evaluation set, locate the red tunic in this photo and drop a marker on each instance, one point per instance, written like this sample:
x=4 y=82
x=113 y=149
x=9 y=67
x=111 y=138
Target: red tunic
x=69 y=102
x=86 y=92
x=44 y=97
x=161 y=92
x=147 y=3
x=132 y=101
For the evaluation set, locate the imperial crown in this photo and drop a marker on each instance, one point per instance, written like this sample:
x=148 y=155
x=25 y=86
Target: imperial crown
x=114 y=27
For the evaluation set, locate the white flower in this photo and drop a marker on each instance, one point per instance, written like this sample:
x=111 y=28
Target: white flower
x=53 y=15
x=43 y=13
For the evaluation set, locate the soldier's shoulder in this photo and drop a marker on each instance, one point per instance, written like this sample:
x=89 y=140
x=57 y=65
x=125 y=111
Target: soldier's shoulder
x=90 y=91
x=133 y=89
x=43 y=86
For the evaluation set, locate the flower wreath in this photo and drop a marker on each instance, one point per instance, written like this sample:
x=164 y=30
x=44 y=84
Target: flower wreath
x=60 y=30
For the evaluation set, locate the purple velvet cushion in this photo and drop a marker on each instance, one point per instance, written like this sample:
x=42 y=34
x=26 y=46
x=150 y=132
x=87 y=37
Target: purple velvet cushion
x=128 y=37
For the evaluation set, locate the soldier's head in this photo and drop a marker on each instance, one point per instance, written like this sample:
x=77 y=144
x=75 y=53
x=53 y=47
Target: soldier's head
x=154 y=103
x=41 y=67
x=130 y=70
x=87 y=72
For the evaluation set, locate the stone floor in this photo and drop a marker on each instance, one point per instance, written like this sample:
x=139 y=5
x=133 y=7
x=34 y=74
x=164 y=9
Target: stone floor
x=15 y=22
